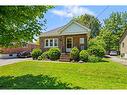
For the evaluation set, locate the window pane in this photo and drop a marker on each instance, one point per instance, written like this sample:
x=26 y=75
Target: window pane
x=69 y=43
x=81 y=40
x=46 y=42
x=55 y=42
x=51 y=42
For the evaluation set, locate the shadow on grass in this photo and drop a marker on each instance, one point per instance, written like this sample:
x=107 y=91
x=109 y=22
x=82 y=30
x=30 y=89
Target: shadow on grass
x=33 y=82
x=104 y=60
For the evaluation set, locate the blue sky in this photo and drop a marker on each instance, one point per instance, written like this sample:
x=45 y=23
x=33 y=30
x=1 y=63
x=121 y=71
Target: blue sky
x=61 y=15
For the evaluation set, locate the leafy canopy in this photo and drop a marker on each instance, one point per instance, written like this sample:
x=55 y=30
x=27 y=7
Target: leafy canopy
x=20 y=24
x=113 y=28
x=90 y=22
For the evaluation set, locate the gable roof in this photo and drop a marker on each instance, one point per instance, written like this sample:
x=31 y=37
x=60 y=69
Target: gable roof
x=53 y=32
x=123 y=36
x=58 y=31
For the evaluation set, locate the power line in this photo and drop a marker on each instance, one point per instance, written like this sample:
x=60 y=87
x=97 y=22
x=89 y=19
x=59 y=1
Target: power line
x=102 y=11
x=99 y=15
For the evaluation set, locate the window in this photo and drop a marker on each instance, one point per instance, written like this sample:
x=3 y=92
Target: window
x=46 y=42
x=55 y=42
x=51 y=42
x=81 y=40
x=122 y=44
x=69 y=43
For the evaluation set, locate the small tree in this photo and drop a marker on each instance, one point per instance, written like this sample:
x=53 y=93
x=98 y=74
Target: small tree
x=74 y=54
x=83 y=55
x=54 y=53
x=96 y=41
x=98 y=51
x=36 y=53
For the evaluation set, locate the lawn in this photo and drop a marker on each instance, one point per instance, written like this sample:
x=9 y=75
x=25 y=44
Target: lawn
x=47 y=75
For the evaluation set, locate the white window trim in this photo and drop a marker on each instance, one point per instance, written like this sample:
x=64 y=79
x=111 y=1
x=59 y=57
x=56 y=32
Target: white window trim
x=69 y=49
x=49 y=42
x=54 y=42
x=82 y=40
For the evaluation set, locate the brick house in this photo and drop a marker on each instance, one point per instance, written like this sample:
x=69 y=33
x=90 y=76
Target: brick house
x=123 y=45
x=6 y=52
x=66 y=37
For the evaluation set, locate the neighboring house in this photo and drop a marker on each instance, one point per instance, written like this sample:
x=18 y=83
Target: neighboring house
x=123 y=45
x=66 y=37
x=12 y=52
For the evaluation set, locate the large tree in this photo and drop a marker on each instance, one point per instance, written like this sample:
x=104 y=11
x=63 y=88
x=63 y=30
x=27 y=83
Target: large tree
x=20 y=24
x=90 y=22
x=113 y=28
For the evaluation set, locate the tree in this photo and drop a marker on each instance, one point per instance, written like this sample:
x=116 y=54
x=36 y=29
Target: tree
x=20 y=24
x=96 y=41
x=90 y=22
x=37 y=42
x=113 y=28
x=107 y=37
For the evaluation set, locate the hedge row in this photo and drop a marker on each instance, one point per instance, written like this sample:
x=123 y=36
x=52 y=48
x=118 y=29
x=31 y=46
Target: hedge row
x=52 y=54
x=92 y=54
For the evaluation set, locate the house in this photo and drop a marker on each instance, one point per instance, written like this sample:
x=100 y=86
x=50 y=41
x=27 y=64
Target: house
x=12 y=52
x=66 y=37
x=123 y=45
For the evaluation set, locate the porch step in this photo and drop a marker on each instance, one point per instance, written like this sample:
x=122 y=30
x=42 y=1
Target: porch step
x=65 y=57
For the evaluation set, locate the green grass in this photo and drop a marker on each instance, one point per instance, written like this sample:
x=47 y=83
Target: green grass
x=47 y=75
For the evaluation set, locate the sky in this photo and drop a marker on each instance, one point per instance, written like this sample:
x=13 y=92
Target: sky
x=61 y=15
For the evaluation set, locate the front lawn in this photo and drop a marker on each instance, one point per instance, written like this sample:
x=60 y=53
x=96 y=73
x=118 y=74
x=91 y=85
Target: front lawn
x=47 y=75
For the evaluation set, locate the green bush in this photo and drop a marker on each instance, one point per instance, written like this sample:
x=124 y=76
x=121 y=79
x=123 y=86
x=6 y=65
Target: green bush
x=54 y=53
x=36 y=53
x=96 y=41
x=43 y=56
x=83 y=55
x=94 y=58
x=74 y=54
x=97 y=50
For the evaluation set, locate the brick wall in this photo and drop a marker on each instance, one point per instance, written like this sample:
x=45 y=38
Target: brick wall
x=62 y=41
x=29 y=47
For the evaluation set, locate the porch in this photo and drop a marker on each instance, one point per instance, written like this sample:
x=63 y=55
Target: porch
x=68 y=42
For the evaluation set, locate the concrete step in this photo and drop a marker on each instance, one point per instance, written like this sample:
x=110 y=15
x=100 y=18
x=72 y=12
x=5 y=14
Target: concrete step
x=64 y=60
x=64 y=57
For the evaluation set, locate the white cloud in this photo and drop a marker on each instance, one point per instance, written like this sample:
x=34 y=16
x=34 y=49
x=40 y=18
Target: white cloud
x=71 y=11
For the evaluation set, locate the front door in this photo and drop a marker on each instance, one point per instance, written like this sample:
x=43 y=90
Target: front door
x=69 y=44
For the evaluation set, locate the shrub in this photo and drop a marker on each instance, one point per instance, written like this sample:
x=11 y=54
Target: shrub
x=96 y=41
x=74 y=54
x=94 y=58
x=97 y=50
x=54 y=53
x=83 y=55
x=36 y=53
x=43 y=56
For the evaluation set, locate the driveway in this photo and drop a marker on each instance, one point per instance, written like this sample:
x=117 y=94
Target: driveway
x=119 y=60
x=12 y=60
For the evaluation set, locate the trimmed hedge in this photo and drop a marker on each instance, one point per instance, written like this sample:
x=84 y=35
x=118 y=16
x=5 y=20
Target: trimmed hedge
x=54 y=53
x=97 y=50
x=83 y=55
x=74 y=54
x=36 y=53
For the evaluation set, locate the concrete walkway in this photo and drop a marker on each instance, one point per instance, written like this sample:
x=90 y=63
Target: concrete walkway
x=119 y=60
x=12 y=60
